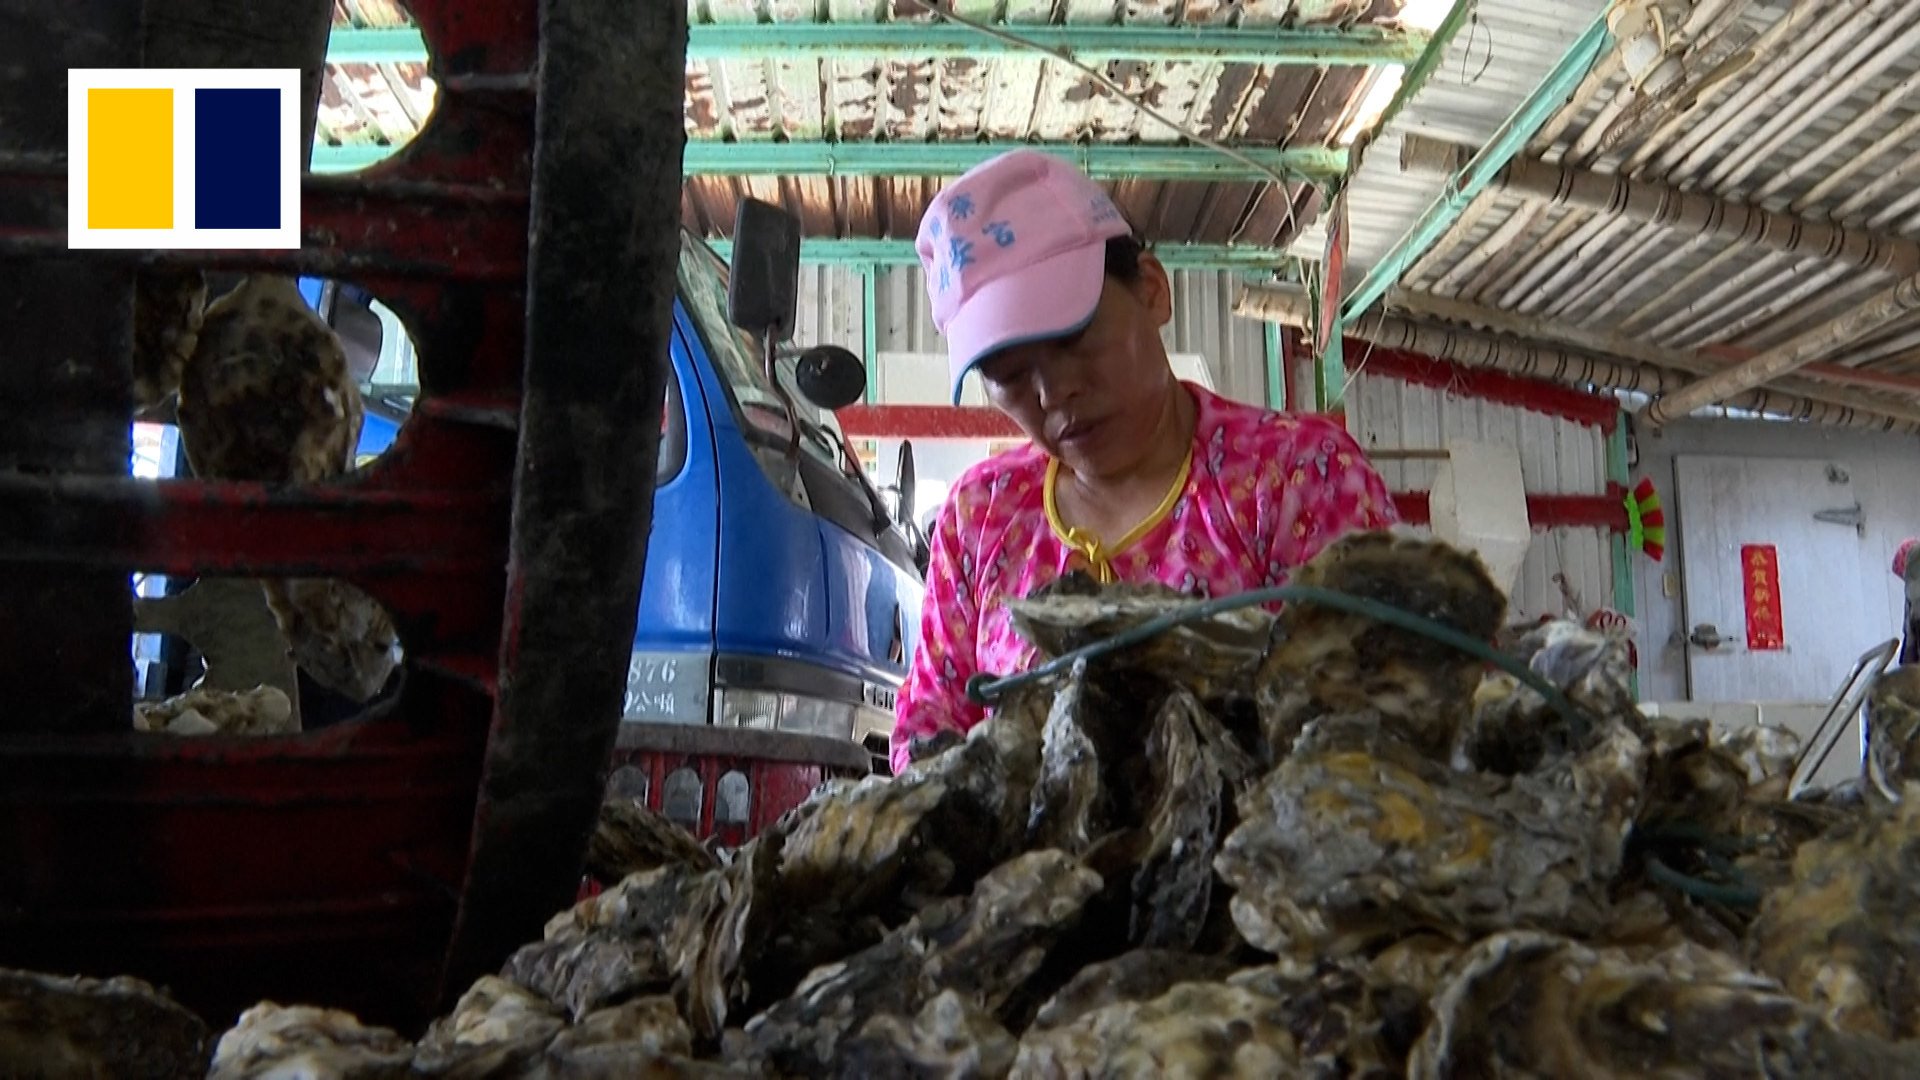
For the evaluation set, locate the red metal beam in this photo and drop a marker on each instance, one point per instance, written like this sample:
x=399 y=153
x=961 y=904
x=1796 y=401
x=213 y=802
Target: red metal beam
x=1536 y=395
x=1607 y=511
x=925 y=422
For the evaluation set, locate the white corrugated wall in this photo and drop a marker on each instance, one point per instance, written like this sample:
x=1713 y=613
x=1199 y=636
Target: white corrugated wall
x=1557 y=457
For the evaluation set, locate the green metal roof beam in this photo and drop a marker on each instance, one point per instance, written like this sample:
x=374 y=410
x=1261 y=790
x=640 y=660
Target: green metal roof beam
x=1316 y=164
x=1473 y=177
x=1102 y=161
x=857 y=252
x=1361 y=46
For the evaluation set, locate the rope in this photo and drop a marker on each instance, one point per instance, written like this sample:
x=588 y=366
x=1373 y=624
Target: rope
x=985 y=689
x=1739 y=895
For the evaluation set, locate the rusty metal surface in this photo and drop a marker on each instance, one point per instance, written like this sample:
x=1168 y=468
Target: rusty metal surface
x=260 y=33
x=323 y=867
x=332 y=867
x=601 y=284
x=349 y=228
x=63 y=651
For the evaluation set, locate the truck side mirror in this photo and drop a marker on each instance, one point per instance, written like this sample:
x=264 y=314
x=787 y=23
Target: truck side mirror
x=904 y=483
x=763 y=284
x=830 y=377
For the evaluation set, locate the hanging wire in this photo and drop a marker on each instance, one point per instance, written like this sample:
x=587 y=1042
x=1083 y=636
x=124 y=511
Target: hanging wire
x=1473 y=29
x=1115 y=90
x=985 y=688
x=1379 y=321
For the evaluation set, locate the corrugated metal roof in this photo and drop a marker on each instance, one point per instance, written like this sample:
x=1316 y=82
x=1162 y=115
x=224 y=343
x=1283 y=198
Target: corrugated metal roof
x=1490 y=68
x=1823 y=124
x=1018 y=100
x=999 y=99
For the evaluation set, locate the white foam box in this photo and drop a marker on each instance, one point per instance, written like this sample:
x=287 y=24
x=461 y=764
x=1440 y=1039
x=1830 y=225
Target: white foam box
x=1479 y=502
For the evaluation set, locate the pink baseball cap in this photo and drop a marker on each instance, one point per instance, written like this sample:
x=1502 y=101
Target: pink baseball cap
x=1015 y=251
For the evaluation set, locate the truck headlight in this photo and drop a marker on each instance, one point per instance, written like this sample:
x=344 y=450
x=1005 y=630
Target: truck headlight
x=800 y=714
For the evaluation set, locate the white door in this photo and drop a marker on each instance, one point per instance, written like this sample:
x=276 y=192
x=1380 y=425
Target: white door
x=1831 y=613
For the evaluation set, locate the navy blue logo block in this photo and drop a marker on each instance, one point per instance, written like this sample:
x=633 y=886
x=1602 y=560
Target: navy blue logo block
x=236 y=159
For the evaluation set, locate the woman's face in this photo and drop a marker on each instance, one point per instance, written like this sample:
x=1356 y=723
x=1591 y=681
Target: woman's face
x=1096 y=399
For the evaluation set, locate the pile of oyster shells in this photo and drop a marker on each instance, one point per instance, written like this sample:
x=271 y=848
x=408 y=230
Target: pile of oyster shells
x=1308 y=844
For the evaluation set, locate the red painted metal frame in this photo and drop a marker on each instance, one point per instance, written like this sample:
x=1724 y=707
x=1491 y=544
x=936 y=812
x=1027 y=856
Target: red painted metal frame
x=331 y=866
x=925 y=422
x=1535 y=395
x=1607 y=511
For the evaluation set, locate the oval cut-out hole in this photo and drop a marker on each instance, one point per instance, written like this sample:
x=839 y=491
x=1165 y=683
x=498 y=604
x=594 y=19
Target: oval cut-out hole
x=681 y=797
x=242 y=656
x=376 y=93
x=628 y=782
x=733 y=799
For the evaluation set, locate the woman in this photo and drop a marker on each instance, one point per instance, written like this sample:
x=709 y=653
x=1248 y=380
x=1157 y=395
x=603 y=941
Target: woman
x=1907 y=569
x=1039 y=286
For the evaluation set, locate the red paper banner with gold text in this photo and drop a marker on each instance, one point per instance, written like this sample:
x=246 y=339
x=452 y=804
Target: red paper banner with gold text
x=1760 y=577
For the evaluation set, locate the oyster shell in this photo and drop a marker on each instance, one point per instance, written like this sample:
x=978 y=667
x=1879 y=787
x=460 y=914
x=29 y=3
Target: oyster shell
x=273 y=1041
x=1210 y=656
x=1512 y=729
x=1140 y=975
x=1195 y=769
x=1357 y=838
x=1420 y=963
x=630 y=838
x=1893 y=743
x=671 y=928
x=1069 y=804
x=616 y=944
x=1530 y=1005
x=496 y=1029
x=1842 y=934
x=168 y=306
x=1326 y=661
x=267 y=393
x=58 y=1027
x=647 y=1027
x=264 y=710
x=1449 y=886
x=951 y=1037
x=1194 y=1029
x=930 y=831
x=1284 y=1021
x=983 y=947
x=339 y=635
x=1767 y=752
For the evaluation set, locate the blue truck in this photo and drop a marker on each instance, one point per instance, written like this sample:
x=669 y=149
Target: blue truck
x=782 y=589
x=782 y=594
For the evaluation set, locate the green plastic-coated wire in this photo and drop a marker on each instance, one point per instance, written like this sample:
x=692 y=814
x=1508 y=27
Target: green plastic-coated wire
x=985 y=689
x=1733 y=896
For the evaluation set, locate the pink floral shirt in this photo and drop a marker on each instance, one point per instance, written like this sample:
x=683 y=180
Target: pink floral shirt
x=1264 y=493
